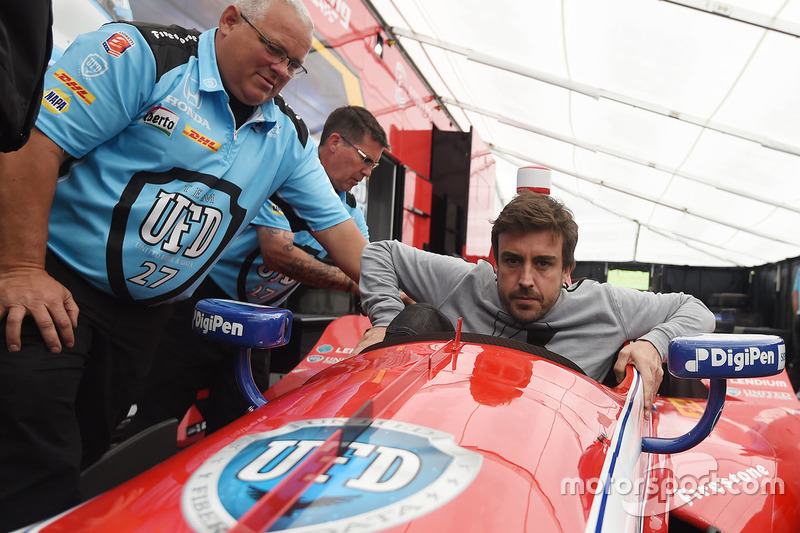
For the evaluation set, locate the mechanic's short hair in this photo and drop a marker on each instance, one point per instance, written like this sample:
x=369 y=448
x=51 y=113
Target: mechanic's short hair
x=530 y=211
x=354 y=122
x=255 y=9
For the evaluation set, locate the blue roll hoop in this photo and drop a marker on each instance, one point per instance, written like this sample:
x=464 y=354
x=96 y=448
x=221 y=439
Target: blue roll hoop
x=245 y=325
x=717 y=356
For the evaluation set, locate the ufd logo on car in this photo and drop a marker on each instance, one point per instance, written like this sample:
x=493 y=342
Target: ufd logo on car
x=391 y=473
x=215 y=322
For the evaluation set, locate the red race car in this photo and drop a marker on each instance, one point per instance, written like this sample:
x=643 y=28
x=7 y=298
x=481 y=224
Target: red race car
x=469 y=432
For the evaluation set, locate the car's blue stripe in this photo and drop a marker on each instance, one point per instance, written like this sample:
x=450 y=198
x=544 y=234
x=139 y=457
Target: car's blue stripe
x=620 y=432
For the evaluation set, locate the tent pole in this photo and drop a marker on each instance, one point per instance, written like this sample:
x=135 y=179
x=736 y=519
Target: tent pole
x=595 y=92
x=750 y=195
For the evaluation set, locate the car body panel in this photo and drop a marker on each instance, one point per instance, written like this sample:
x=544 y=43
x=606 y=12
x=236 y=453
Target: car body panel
x=460 y=435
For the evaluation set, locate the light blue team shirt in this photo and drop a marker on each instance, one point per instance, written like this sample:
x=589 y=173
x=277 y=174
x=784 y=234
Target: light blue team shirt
x=163 y=180
x=797 y=286
x=241 y=272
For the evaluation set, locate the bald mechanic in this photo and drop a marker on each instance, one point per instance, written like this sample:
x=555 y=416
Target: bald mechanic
x=173 y=142
x=527 y=299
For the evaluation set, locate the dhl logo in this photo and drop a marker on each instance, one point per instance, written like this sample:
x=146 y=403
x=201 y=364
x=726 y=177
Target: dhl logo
x=201 y=139
x=74 y=86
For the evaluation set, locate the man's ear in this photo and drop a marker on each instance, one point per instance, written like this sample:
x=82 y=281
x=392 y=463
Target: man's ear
x=566 y=275
x=229 y=19
x=334 y=140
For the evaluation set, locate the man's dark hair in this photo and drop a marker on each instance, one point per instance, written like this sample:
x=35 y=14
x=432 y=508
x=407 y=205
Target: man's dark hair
x=354 y=122
x=530 y=211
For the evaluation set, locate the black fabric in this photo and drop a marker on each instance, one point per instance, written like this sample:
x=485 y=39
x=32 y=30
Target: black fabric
x=241 y=112
x=299 y=125
x=171 y=45
x=52 y=403
x=26 y=43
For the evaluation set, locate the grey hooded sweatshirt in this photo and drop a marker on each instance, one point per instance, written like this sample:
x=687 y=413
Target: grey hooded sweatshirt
x=589 y=323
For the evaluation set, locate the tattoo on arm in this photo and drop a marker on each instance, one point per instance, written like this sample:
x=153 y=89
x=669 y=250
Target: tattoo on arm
x=307 y=269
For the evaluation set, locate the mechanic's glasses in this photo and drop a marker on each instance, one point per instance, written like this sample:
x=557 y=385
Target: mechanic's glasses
x=368 y=161
x=278 y=54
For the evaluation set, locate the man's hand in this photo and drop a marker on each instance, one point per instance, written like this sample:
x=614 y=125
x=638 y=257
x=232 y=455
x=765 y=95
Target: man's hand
x=371 y=336
x=644 y=356
x=31 y=291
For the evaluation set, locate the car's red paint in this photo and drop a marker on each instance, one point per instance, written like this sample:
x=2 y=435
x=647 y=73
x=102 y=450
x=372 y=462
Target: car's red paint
x=539 y=432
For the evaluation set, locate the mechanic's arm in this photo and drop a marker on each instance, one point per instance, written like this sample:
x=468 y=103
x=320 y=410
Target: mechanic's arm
x=394 y=275
x=344 y=243
x=281 y=255
x=28 y=180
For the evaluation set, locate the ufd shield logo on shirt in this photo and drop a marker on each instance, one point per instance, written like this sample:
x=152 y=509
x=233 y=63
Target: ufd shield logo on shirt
x=167 y=230
x=391 y=473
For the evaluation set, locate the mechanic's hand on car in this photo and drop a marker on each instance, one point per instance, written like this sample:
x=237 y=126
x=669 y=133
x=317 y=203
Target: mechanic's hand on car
x=371 y=336
x=644 y=356
x=30 y=291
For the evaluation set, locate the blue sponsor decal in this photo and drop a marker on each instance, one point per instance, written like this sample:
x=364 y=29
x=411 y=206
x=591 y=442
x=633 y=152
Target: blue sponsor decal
x=314 y=358
x=392 y=473
x=717 y=355
x=325 y=348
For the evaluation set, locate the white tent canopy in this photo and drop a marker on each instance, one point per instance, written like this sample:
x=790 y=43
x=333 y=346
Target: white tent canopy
x=673 y=132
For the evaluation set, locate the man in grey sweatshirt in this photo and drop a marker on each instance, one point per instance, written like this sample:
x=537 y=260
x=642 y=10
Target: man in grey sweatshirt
x=527 y=297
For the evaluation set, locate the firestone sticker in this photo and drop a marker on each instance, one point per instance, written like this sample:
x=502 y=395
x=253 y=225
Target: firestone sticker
x=391 y=473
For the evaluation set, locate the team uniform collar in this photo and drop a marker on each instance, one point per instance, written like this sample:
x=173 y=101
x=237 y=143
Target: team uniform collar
x=211 y=81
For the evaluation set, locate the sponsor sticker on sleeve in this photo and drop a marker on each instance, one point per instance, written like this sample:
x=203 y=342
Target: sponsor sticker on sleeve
x=94 y=65
x=117 y=44
x=79 y=90
x=56 y=101
x=275 y=209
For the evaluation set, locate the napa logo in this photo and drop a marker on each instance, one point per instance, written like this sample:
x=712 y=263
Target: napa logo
x=393 y=472
x=56 y=101
x=276 y=209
